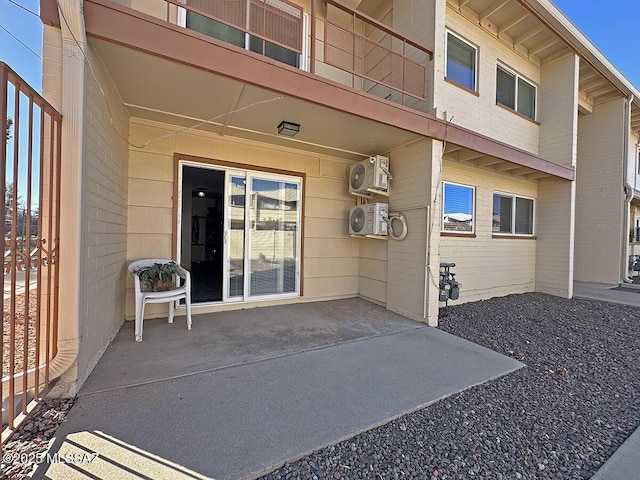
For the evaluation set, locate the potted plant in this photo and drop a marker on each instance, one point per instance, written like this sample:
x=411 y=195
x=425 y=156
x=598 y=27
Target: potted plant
x=159 y=276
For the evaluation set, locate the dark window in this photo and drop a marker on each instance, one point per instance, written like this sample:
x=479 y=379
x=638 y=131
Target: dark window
x=461 y=61
x=515 y=92
x=506 y=88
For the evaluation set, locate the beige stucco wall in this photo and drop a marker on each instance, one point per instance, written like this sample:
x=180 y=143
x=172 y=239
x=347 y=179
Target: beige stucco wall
x=489 y=266
x=599 y=193
x=330 y=255
x=480 y=112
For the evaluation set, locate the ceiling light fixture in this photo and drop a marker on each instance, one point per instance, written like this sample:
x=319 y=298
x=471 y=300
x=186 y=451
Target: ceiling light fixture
x=289 y=129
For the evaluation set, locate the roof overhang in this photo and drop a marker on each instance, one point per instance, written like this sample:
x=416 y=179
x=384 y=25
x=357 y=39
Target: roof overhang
x=539 y=32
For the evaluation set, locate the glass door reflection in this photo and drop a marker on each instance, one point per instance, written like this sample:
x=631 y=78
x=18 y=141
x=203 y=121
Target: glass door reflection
x=273 y=225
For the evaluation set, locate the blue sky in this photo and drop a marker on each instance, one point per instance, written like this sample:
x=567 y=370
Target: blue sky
x=28 y=28
x=611 y=26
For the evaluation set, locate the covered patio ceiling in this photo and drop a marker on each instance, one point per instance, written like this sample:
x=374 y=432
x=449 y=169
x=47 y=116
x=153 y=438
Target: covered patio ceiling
x=170 y=92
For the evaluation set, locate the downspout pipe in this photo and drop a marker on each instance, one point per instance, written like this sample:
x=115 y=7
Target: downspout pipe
x=72 y=26
x=628 y=194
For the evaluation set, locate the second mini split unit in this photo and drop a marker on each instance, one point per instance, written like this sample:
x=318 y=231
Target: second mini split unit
x=367 y=179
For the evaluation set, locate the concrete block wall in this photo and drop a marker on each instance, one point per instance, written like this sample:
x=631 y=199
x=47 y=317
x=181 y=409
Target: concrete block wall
x=479 y=112
x=104 y=218
x=599 y=193
x=558 y=110
x=423 y=22
x=414 y=168
x=555 y=232
x=93 y=202
x=331 y=268
x=487 y=265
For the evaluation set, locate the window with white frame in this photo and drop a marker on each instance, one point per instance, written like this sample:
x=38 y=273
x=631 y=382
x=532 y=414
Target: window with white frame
x=512 y=215
x=515 y=92
x=462 y=59
x=458 y=204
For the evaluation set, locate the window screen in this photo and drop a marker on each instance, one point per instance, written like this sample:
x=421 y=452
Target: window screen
x=526 y=98
x=502 y=214
x=524 y=216
x=506 y=88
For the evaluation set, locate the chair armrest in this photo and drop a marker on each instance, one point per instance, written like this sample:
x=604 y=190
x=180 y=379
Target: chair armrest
x=136 y=280
x=184 y=273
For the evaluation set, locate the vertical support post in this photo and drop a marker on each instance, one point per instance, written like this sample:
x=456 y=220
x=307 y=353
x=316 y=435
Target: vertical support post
x=4 y=79
x=314 y=13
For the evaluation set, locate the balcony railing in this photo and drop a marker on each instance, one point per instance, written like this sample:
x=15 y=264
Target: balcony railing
x=354 y=48
x=30 y=152
x=373 y=53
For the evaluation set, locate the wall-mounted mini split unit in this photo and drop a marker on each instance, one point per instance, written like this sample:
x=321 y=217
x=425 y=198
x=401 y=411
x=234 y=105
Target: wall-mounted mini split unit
x=370 y=176
x=369 y=219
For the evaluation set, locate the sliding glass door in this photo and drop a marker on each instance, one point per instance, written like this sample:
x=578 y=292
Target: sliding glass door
x=259 y=218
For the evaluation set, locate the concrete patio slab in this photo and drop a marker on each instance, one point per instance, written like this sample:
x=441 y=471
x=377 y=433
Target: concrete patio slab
x=242 y=420
x=608 y=293
x=624 y=463
x=237 y=337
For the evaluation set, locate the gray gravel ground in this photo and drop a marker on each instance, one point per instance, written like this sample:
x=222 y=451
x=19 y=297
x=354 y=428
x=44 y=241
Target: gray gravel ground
x=561 y=417
x=29 y=443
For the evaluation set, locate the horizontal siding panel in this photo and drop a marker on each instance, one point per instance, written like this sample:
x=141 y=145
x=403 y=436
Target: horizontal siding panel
x=150 y=166
x=332 y=169
x=319 y=247
x=373 y=269
x=330 y=287
x=142 y=245
x=326 y=228
x=149 y=220
x=150 y=193
x=373 y=249
x=328 y=208
x=375 y=290
x=328 y=188
x=330 y=267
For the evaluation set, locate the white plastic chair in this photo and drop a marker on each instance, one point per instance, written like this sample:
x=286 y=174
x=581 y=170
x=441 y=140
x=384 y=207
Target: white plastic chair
x=170 y=296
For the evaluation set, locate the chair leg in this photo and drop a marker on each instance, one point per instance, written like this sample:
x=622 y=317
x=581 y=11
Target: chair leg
x=171 y=313
x=139 y=320
x=188 y=305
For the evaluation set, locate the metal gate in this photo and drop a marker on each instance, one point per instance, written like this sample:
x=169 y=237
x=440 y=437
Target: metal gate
x=30 y=151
